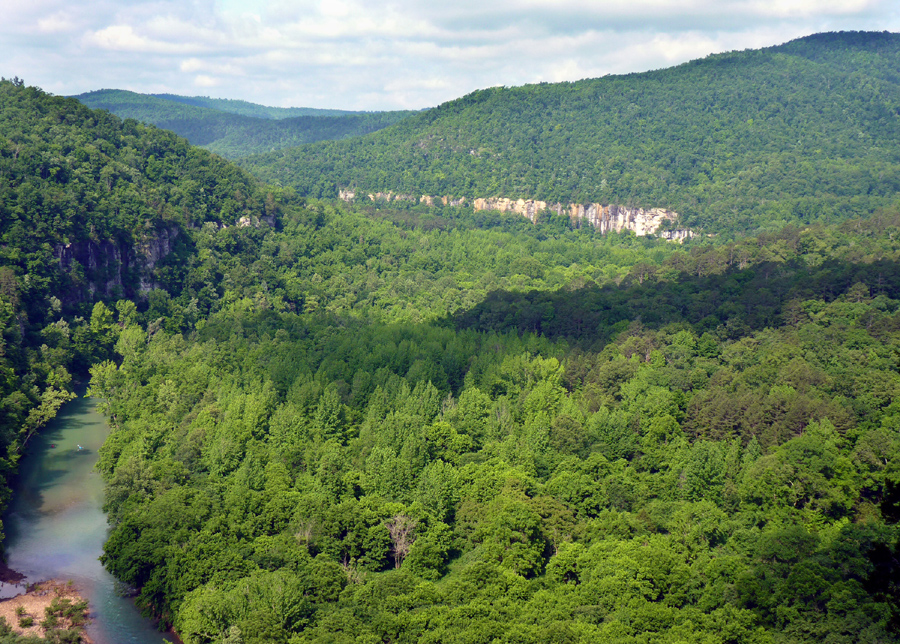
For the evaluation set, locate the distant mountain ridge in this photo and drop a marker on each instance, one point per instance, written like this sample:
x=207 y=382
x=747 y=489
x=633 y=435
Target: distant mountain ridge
x=245 y=108
x=804 y=132
x=236 y=129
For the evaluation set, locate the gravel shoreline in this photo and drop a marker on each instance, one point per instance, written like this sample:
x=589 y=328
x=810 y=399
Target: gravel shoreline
x=34 y=604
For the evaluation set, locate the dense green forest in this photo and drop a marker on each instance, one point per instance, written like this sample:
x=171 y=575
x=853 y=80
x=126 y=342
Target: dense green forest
x=394 y=423
x=237 y=129
x=714 y=472
x=801 y=133
x=88 y=204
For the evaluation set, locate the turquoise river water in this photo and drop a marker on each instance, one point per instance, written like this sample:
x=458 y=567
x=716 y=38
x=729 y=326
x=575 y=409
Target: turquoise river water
x=55 y=526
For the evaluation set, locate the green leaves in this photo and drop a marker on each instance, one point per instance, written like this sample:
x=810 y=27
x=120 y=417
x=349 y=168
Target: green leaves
x=554 y=492
x=808 y=472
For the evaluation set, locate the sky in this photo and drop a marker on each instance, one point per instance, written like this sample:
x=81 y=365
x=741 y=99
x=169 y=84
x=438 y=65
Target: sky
x=383 y=55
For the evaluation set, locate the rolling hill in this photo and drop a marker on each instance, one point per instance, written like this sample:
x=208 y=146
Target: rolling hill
x=237 y=128
x=396 y=423
x=804 y=132
x=245 y=108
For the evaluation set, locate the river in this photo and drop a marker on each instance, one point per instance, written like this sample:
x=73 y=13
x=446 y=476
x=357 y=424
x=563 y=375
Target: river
x=55 y=526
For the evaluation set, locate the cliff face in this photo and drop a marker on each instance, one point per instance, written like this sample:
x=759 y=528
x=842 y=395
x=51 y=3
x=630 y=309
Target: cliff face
x=94 y=266
x=391 y=196
x=150 y=252
x=527 y=208
x=618 y=218
x=606 y=218
x=447 y=201
x=113 y=269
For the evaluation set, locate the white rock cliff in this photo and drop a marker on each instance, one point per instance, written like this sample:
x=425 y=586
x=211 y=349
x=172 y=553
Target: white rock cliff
x=607 y=218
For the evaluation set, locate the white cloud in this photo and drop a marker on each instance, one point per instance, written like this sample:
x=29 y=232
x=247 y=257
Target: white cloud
x=382 y=54
x=193 y=65
x=57 y=23
x=807 y=8
x=203 y=80
x=124 y=38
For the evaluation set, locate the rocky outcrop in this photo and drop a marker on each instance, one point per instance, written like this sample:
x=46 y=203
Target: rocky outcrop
x=613 y=218
x=389 y=196
x=606 y=218
x=677 y=234
x=96 y=267
x=447 y=201
x=529 y=208
x=150 y=252
x=247 y=221
x=112 y=269
x=350 y=195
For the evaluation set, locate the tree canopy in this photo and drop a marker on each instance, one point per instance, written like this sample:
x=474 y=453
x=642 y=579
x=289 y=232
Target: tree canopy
x=391 y=422
x=237 y=129
x=805 y=132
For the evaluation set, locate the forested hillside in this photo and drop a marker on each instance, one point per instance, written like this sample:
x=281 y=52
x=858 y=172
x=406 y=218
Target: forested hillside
x=91 y=208
x=237 y=129
x=804 y=132
x=393 y=423
x=687 y=453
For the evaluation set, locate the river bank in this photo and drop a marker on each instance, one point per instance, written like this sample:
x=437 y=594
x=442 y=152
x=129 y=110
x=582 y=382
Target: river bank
x=55 y=525
x=47 y=602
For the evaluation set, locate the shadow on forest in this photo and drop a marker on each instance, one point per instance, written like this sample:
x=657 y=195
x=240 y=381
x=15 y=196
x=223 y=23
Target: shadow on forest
x=765 y=295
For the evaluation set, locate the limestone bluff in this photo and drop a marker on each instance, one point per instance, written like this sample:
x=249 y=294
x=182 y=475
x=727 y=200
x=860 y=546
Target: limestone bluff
x=606 y=218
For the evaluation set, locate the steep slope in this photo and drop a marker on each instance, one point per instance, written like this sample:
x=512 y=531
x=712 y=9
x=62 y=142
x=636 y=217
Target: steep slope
x=92 y=208
x=81 y=187
x=676 y=444
x=236 y=128
x=807 y=131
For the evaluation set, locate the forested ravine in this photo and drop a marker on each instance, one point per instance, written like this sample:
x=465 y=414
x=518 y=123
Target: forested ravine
x=56 y=526
x=358 y=423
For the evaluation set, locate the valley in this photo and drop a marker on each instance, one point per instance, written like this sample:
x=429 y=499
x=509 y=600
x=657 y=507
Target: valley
x=451 y=380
